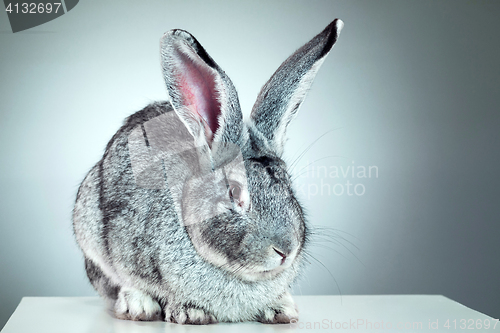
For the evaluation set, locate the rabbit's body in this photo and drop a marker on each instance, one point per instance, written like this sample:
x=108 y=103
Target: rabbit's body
x=146 y=248
x=156 y=251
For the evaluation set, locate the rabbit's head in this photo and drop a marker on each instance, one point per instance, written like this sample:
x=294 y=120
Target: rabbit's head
x=232 y=189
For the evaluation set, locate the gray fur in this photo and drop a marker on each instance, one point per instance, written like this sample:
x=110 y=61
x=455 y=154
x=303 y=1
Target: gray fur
x=148 y=264
x=281 y=97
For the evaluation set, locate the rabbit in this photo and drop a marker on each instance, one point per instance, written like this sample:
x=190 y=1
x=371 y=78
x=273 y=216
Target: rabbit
x=190 y=216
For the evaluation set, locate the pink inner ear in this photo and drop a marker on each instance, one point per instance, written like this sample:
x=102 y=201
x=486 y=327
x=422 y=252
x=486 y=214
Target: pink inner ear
x=197 y=88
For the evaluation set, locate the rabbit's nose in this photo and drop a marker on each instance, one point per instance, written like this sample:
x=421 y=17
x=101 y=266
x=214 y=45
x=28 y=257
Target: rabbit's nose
x=283 y=256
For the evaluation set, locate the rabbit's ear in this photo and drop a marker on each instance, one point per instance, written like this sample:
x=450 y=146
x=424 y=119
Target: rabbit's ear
x=201 y=93
x=282 y=95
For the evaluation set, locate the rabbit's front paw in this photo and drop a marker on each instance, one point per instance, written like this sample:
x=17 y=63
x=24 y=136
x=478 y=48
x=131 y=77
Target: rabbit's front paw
x=133 y=304
x=188 y=314
x=282 y=312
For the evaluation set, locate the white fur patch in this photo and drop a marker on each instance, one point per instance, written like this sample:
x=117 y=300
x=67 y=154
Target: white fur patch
x=289 y=308
x=181 y=318
x=282 y=312
x=186 y=315
x=269 y=315
x=135 y=305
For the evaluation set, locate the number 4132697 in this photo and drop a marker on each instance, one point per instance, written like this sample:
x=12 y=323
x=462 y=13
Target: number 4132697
x=33 y=8
x=471 y=324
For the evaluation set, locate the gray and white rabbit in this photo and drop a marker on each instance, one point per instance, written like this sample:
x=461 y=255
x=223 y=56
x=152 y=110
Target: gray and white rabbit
x=190 y=215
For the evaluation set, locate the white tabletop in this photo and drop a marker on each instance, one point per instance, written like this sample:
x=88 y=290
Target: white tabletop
x=419 y=313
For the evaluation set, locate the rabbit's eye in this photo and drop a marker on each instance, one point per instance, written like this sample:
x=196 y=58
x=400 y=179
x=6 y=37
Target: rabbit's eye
x=235 y=192
x=239 y=196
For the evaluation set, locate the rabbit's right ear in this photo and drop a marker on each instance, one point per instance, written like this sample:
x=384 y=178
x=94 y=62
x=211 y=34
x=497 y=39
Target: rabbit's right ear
x=201 y=93
x=282 y=95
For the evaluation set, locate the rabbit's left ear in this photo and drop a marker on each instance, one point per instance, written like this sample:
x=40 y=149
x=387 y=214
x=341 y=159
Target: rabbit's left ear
x=201 y=93
x=282 y=95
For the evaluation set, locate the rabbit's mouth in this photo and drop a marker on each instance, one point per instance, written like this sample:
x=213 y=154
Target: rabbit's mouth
x=275 y=264
x=260 y=275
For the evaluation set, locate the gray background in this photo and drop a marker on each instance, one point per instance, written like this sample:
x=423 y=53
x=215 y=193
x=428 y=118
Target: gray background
x=411 y=87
